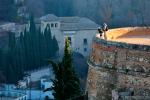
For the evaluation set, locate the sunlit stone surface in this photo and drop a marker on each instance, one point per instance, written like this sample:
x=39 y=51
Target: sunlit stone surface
x=120 y=63
x=133 y=35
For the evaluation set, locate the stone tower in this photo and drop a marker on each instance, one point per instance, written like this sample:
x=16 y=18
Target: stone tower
x=120 y=65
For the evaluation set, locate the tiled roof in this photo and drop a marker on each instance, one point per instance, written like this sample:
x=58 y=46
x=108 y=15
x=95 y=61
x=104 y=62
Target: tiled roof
x=69 y=26
x=49 y=17
x=72 y=23
x=69 y=19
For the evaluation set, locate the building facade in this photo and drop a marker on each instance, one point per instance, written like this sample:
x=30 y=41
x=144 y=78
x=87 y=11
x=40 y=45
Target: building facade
x=11 y=95
x=9 y=92
x=80 y=31
x=12 y=27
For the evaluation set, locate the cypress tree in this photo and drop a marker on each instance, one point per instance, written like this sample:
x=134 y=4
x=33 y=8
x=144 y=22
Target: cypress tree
x=55 y=46
x=1 y=55
x=27 y=49
x=37 y=45
x=12 y=41
x=48 y=40
x=58 y=83
x=27 y=52
x=4 y=62
x=33 y=40
x=71 y=81
x=20 y=57
x=43 y=50
x=10 y=57
x=1 y=61
x=32 y=28
x=22 y=50
x=66 y=83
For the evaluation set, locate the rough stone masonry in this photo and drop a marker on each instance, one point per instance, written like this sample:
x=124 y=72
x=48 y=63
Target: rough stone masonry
x=117 y=65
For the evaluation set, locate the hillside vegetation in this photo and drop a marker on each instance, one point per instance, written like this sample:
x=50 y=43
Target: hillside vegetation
x=116 y=13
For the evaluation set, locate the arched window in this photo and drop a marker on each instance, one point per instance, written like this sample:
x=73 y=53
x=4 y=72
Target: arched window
x=52 y=25
x=85 y=41
x=56 y=25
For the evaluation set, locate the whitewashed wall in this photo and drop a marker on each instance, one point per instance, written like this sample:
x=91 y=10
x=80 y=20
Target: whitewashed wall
x=77 y=38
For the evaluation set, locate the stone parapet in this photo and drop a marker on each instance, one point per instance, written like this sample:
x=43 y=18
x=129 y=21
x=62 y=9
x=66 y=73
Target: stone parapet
x=122 y=45
x=116 y=65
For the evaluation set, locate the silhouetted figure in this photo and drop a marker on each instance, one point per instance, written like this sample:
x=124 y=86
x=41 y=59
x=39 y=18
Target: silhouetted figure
x=103 y=31
x=105 y=27
x=100 y=31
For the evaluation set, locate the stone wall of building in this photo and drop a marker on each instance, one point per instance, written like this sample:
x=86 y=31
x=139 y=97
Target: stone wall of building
x=114 y=65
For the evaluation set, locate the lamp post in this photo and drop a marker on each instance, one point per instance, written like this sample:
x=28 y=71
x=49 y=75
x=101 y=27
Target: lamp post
x=100 y=31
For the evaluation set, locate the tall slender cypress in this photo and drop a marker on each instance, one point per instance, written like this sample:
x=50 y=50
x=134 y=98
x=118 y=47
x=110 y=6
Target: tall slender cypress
x=55 y=46
x=48 y=40
x=66 y=83
x=72 y=88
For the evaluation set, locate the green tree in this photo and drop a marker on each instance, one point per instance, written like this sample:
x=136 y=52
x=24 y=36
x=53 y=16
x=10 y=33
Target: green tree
x=66 y=83
x=12 y=60
x=58 y=83
x=32 y=28
x=1 y=57
x=48 y=40
x=55 y=46
x=10 y=67
x=12 y=41
x=43 y=49
x=27 y=52
x=22 y=51
x=33 y=40
x=72 y=88
x=3 y=63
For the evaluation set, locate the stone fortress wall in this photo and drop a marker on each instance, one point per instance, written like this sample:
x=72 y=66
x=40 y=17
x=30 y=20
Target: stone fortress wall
x=119 y=65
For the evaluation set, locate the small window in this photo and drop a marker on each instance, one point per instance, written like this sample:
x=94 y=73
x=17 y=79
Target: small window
x=43 y=87
x=85 y=49
x=56 y=24
x=85 y=42
x=52 y=25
